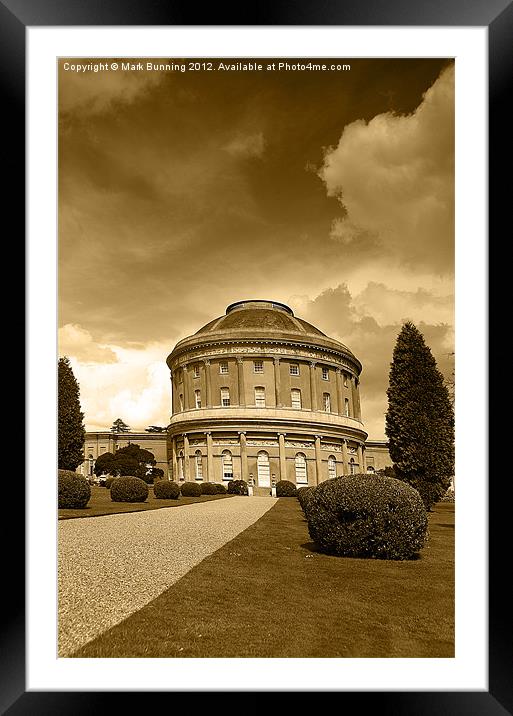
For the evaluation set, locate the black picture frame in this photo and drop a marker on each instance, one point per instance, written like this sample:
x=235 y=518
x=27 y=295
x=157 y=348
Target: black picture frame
x=497 y=16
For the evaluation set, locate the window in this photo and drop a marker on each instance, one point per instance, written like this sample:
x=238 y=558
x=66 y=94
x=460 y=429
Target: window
x=326 y=402
x=346 y=407
x=227 y=465
x=181 y=401
x=295 y=398
x=370 y=469
x=260 y=397
x=258 y=366
x=180 y=465
x=325 y=375
x=345 y=380
x=196 y=370
x=352 y=466
x=332 y=467
x=197 y=398
x=199 y=465
x=223 y=367
x=225 y=397
x=263 y=469
x=294 y=369
x=300 y=465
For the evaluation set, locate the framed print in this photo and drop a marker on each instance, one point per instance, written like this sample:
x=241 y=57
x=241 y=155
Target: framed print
x=233 y=229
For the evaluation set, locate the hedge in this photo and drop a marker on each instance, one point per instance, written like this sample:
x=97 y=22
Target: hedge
x=285 y=488
x=73 y=490
x=367 y=516
x=304 y=495
x=166 y=490
x=238 y=487
x=220 y=488
x=190 y=489
x=129 y=489
x=208 y=488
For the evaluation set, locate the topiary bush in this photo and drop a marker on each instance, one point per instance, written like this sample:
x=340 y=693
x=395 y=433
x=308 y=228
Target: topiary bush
x=285 y=488
x=74 y=491
x=238 y=487
x=304 y=495
x=190 y=489
x=367 y=516
x=128 y=489
x=220 y=489
x=208 y=488
x=166 y=490
x=109 y=480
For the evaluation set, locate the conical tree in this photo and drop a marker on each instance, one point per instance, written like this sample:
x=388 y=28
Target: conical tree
x=119 y=426
x=71 y=431
x=420 y=418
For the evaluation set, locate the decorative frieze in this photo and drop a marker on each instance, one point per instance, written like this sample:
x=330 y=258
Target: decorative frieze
x=333 y=447
x=262 y=443
x=298 y=444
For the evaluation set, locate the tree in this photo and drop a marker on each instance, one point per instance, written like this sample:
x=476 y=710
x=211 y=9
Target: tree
x=129 y=460
x=71 y=431
x=118 y=426
x=155 y=429
x=420 y=418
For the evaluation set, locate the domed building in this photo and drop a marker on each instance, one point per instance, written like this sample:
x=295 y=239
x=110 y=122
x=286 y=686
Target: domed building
x=261 y=395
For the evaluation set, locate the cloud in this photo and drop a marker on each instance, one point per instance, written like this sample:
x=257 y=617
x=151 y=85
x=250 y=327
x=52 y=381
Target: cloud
x=76 y=342
x=394 y=177
x=96 y=92
x=249 y=145
x=135 y=388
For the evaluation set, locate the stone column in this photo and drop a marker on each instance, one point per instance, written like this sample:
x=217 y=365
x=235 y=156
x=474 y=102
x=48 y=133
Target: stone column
x=240 y=376
x=358 y=409
x=318 y=460
x=277 y=382
x=340 y=397
x=283 y=461
x=185 y=378
x=210 y=459
x=364 y=458
x=313 y=386
x=360 y=457
x=186 y=461
x=174 y=465
x=243 y=456
x=208 y=380
x=345 y=458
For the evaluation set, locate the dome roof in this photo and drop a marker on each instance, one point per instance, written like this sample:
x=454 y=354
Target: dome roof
x=261 y=320
x=266 y=316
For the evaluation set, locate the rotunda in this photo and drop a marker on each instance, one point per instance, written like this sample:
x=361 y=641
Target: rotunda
x=261 y=395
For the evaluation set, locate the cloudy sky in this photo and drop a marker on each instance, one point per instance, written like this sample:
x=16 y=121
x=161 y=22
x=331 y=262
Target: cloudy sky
x=182 y=192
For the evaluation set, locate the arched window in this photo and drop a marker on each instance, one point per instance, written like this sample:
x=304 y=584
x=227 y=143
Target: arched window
x=227 y=465
x=295 y=398
x=300 y=465
x=352 y=466
x=180 y=465
x=263 y=469
x=199 y=465
x=370 y=469
x=332 y=466
x=181 y=402
x=326 y=402
x=260 y=397
x=346 y=407
x=197 y=398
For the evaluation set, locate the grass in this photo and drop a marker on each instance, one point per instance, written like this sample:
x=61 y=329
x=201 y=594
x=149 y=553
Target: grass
x=269 y=593
x=101 y=504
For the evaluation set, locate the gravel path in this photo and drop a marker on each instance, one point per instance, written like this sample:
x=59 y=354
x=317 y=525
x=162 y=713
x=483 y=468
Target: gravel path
x=112 y=566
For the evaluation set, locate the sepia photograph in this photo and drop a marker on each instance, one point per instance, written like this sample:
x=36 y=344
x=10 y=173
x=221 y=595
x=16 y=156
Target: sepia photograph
x=256 y=351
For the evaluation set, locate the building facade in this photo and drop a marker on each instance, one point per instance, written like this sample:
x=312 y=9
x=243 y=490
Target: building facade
x=262 y=395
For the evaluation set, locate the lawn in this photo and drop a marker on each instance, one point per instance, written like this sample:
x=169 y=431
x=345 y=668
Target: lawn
x=269 y=593
x=101 y=504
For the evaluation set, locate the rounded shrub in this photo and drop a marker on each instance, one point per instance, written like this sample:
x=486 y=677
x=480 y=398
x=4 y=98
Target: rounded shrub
x=128 y=489
x=74 y=491
x=220 y=488
x=367 y=516
x=190 y=489
x=238 y=487
x=304 y=495
x=285 y=488
x=166 y=490
x=208 y=488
